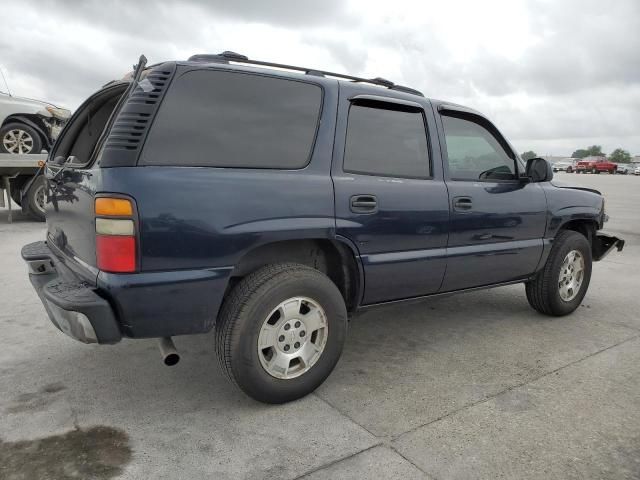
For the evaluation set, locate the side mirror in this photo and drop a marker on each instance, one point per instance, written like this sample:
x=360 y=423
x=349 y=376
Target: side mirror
x=539 y=170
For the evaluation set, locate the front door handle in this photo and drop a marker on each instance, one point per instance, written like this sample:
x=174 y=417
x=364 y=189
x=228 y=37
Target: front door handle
x=364 y=204
x=462 y=203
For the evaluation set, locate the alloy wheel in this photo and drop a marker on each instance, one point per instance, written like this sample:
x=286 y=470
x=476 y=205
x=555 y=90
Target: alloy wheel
x=40 y=197
x=571 y=275
x=292 y=337
x=18 y=141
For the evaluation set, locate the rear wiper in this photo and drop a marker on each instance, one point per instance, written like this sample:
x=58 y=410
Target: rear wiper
x=137 y=72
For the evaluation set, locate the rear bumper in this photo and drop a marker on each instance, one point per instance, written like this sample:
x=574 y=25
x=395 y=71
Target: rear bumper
x=73 y=306
x=137 y=305
x=603 y=244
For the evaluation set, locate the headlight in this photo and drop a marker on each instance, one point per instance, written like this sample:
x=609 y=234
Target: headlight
x=60 y=113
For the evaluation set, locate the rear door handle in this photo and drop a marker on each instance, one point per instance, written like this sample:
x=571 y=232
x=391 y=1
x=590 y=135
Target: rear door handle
x=462 y=203
x=364 y=204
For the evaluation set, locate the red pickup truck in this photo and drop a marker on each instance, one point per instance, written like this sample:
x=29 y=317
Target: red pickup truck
x=595 y=165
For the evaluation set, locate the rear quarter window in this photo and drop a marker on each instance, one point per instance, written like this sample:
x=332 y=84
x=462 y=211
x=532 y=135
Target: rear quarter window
x=238 y=120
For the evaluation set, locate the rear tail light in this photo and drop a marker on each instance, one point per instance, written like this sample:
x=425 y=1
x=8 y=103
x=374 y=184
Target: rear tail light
x=113 y=207
x=115 y=235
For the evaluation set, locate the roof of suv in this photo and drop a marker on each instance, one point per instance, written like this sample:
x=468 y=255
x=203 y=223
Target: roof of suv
x=226 y=57
x=241 y=62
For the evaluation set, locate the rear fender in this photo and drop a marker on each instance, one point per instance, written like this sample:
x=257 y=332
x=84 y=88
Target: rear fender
x=356 y=254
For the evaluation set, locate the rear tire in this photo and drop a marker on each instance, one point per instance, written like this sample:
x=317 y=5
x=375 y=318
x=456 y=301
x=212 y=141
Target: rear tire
x=545 y=292
x=36 y=198
x=16 y=187
x=260 y=332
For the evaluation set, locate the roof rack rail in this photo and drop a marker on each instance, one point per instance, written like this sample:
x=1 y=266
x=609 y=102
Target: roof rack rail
x=228 y=56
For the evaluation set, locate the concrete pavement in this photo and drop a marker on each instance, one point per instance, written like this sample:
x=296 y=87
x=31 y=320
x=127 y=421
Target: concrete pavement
x=476 y=385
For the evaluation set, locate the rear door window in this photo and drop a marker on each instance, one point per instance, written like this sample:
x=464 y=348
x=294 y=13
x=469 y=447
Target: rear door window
x=386 y=140
x=226 y=119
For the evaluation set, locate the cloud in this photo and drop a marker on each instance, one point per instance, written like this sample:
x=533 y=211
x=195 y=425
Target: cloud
x=581 y=44
x=553 y=75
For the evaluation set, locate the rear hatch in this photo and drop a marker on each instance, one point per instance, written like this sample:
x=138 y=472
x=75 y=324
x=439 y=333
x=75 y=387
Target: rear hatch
x=107 y=131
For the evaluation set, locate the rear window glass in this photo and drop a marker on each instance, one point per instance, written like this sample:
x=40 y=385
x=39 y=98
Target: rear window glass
x=386 y=140
x=225 y=119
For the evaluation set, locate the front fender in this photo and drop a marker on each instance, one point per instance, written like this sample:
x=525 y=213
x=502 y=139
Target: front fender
x=559 y=218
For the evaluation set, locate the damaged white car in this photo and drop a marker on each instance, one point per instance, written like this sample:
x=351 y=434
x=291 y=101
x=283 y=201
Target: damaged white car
x=29 y=126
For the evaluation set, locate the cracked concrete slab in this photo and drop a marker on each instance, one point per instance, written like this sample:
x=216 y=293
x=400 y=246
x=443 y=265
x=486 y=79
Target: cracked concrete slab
x=377 y=462
x=183 y=422
x=405 y=366
x=581 y=422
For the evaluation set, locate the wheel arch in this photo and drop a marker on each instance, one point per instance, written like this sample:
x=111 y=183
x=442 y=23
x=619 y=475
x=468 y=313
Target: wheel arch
x=585 y=223
x=336 y=258
x=585 y=226
x=32 y=120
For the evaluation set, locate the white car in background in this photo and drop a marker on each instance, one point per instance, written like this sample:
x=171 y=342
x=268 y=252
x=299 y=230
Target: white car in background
x=28 y=126
x=564 y=166
x=625 y=168
x=629 y=168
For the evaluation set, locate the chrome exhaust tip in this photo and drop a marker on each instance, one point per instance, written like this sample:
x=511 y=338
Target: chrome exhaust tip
x=168 y=351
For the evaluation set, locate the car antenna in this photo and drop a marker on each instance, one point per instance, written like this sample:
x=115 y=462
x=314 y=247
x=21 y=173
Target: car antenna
x=5 y=82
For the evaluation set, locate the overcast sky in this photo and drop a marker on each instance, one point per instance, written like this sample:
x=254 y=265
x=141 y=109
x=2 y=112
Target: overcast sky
x=553 y=75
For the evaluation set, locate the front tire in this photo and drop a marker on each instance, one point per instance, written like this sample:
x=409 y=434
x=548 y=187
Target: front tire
x=281 y=331
x=562 y=284
x=19 y=138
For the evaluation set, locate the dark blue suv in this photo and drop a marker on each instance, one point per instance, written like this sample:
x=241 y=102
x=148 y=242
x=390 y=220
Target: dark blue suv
x=268 y=202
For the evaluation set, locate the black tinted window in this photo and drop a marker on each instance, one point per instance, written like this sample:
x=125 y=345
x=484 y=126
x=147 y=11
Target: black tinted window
x=386 y=142
x=223 y=119
x=474 y=153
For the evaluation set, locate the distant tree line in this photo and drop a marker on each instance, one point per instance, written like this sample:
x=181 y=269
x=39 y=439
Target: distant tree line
x=592 y=151
x=618 y=155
